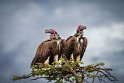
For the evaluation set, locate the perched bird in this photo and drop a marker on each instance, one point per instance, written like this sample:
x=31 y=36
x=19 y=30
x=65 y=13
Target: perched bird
x=81 y=43
x=74 y=46
x=48 y=50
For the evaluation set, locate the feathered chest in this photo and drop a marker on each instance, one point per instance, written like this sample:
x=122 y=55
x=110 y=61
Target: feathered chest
x=79 y=42
x=55 y=45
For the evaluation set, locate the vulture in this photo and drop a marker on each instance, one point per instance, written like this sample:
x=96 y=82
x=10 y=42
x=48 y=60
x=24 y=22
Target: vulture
x=48 y=50
x=81 y=43
x=75 y=46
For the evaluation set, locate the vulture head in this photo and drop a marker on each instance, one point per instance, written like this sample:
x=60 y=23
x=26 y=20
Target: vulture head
x=51 y=31
x=81 y=28
x=54 y=34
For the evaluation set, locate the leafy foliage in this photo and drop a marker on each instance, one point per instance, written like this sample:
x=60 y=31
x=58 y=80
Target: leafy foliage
x=68 y=71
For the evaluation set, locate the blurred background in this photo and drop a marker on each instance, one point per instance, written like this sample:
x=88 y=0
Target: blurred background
x=23 y=22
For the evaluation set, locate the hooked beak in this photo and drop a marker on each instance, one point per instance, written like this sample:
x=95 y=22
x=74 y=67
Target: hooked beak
x=47 y=31
x=84 y=27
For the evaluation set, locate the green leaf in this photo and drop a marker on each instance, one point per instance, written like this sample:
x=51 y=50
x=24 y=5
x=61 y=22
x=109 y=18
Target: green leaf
x=15 y=78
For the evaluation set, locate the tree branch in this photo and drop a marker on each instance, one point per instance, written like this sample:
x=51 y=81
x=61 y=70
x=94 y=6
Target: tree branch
x=70 y=72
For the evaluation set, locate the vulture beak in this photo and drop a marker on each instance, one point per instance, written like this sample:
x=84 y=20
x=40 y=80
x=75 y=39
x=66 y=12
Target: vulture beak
x=84 y=27
x=51 y=31
x=47 y=31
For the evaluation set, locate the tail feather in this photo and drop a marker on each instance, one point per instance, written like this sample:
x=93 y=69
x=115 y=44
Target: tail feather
x=34 y=61
x=38 y=59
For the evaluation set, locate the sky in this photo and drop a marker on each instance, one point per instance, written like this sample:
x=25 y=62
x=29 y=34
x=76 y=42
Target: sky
x=23 y=22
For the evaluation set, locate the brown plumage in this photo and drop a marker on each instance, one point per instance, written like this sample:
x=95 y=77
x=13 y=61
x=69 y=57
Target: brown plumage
x=75 y=46
x=48 y=49
x=80 y=48
x=68 y=46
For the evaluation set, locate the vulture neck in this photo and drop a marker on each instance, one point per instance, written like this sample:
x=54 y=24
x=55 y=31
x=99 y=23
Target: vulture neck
x=77 y=34
x=55 y=36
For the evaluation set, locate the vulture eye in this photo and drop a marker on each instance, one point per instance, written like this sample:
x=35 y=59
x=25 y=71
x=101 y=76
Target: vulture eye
x=52 y=31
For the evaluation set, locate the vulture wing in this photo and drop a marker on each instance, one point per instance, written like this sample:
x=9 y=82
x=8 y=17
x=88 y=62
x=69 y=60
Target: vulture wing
x=68 y=46
x=42 y=53
x=85 y=41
